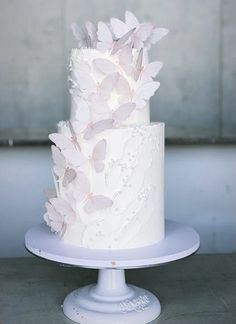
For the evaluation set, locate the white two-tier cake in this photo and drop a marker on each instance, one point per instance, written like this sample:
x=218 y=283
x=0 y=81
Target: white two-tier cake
x=108 y=158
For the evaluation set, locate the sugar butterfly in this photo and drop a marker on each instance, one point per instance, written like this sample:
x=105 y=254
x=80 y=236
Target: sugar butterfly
x=146 y=73
x=60 y=168
x=95 y=128
x=91 y=202
x=96 y=159
x=122 y=113
x=143 y=93
x=105 y=37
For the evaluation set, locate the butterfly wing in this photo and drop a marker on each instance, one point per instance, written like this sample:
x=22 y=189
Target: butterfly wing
x=101 y=202
x=119 y=28
x=80 y=35
x=97 y=128
x=84 y=81
x=98 y=155
x=151 y=71
x=156 y=35
x=91 y=30
x=124 y=90
x=61 y=141
x=59 y=161
x=122 y=41
x=104 y=36
x=109 y=82
x=130 y=20
x=97 y=202
x=76 y=158
x=122 y=113
x=104 y=66
x=144 y=93
x=81 y=187
x=69 y=176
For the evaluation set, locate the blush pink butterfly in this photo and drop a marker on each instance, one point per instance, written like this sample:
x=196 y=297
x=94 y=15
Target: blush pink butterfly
x=59 y=215
x=146 y=73
x=96 y=159
x=122 y=113
x=91 y=202
x=143 y=93
x=95 y=128
x=64 y=172
x=105 y=37
x=126 y=60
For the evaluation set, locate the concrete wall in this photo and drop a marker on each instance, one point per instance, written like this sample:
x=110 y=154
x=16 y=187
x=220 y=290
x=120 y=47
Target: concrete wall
x=200 y=191
x=197 y=95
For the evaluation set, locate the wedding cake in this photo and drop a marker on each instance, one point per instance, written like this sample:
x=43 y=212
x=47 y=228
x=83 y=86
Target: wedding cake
x=108 y=158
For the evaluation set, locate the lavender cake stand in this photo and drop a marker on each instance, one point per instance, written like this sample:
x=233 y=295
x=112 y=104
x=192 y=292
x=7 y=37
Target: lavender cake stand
x=111 y=300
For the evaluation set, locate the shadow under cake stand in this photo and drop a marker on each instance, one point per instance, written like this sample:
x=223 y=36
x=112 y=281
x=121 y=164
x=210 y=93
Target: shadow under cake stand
x=111 y=300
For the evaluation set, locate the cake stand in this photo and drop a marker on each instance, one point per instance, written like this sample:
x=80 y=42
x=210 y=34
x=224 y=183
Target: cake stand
x=111 y=300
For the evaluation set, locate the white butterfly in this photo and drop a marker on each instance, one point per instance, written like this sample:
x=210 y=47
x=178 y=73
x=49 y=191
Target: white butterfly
x=126 y=60
x=81 y=35
x=124 y=90
x=91 y=202
x=144 y=93
x=121 y=42
x=105 y=66
x=59 y=214
x=146 y=73
x=96 y=159
x=144 y=34
x=92 y=33
x=97 y=127
x=105 y=37
x=156 y=35
x=60 y=168
x=122 y=113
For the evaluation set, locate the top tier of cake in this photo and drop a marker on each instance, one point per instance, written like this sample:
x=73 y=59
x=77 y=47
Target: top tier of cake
x=110 y=76
x=105 y=85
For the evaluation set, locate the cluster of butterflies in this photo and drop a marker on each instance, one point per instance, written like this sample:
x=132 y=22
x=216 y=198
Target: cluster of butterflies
x=92 y=97
x=113 y=35
x=72 y=166
x=94 y=115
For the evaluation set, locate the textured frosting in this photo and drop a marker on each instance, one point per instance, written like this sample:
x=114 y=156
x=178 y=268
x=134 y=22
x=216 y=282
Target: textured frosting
x=133 y=179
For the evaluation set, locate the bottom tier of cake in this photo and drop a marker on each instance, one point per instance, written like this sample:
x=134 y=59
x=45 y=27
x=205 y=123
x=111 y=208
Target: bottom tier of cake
x=132 y=178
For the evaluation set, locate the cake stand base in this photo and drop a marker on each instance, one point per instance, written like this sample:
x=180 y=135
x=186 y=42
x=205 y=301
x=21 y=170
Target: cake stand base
x=110 y=301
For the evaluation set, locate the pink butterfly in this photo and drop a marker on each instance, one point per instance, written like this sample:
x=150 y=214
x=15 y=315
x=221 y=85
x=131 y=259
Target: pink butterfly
x=91 y=202
x=60 y=168
x=92 y=33
x=59 y=214
x=97 y=127
x=105 y=66
x=105 y=37
x=126 y=60
x=144 y=34
x=64 y=141
x=124 y=90
x=122 y=113
x=81 y=35
x=122 y=41
x=156 y=35
x=144 y=93
x=146 y=73
x=97 y=158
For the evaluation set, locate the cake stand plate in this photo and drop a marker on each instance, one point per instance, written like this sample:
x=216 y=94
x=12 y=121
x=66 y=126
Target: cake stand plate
x=111 y=300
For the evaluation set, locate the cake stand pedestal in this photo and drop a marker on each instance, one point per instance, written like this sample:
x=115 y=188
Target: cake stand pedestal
x=111 y=300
